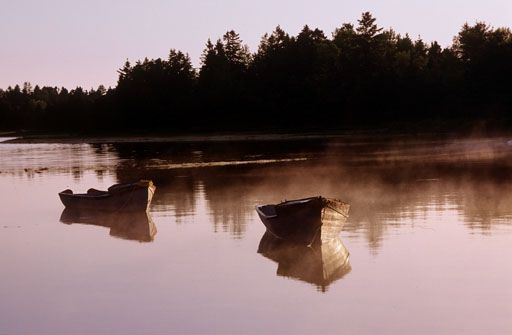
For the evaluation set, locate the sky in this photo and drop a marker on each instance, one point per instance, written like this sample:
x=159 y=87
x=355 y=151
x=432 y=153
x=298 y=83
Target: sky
x=82 y=43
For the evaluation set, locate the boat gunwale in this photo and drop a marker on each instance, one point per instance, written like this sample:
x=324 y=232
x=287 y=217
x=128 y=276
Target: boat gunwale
x=297 y=201
x=85 y=195
x=111 y=191
x=330 y=203
x=304 y=200
x=261 y=213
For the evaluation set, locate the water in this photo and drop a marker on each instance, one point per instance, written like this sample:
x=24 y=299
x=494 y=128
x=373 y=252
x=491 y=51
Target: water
x=429 y=238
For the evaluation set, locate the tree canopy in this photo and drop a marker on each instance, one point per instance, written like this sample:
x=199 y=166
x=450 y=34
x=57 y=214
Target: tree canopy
x=363 y=76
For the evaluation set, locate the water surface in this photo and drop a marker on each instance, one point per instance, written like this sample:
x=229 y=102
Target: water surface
x=428 y=238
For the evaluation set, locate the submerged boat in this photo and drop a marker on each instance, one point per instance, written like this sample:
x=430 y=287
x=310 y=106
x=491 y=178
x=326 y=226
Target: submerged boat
x=305 y=220
x=320 y=263
x=119 y=197
x=136 y=226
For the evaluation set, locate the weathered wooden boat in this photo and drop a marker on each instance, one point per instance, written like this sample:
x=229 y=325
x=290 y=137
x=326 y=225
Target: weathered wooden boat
x=137 y=226
x=304 y=220
x=119 y=197
x=320 y=263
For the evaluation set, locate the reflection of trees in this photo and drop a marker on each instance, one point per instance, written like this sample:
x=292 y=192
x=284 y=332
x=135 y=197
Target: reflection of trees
x=486 y=204
x=55 y=158
x=398 y=195
x=386 y=188
x=228 y=194
x=228 y=190
x=176 y=191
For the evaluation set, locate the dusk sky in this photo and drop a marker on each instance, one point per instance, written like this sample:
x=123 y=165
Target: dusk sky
x=82 y=43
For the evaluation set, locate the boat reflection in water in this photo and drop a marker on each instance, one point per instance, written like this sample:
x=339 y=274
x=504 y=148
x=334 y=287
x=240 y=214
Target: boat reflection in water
x=320 y=263
x=137 y=226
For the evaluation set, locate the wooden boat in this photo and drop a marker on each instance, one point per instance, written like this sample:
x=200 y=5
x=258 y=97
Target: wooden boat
x=304 y=220
x=137 y=226
x=320 y=263
x=119 y=197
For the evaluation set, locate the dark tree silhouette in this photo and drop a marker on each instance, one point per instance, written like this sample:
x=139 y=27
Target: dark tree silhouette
x=363 y=76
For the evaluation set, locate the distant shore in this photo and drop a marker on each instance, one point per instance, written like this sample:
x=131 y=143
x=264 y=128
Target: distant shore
x=367 y=135
x=214 y=137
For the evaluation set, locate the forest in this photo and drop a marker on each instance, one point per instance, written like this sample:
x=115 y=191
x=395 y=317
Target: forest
x=360 y=77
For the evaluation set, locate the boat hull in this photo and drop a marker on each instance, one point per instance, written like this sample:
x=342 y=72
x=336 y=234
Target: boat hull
x=305 y=220
x=123 y=197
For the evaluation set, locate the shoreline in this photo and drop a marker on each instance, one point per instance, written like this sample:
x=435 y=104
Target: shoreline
x=198 y=137
x=375 y=135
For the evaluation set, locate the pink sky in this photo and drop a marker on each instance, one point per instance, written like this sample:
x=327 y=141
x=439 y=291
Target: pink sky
x=83 y=43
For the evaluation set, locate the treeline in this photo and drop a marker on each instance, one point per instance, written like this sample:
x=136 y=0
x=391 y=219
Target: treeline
x=362 y=75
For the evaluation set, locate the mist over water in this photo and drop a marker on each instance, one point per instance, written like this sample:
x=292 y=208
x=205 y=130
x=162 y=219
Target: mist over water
x=428 y=237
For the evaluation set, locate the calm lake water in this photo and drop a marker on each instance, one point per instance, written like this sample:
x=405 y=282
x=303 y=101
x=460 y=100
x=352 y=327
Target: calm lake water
x=429 y=238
